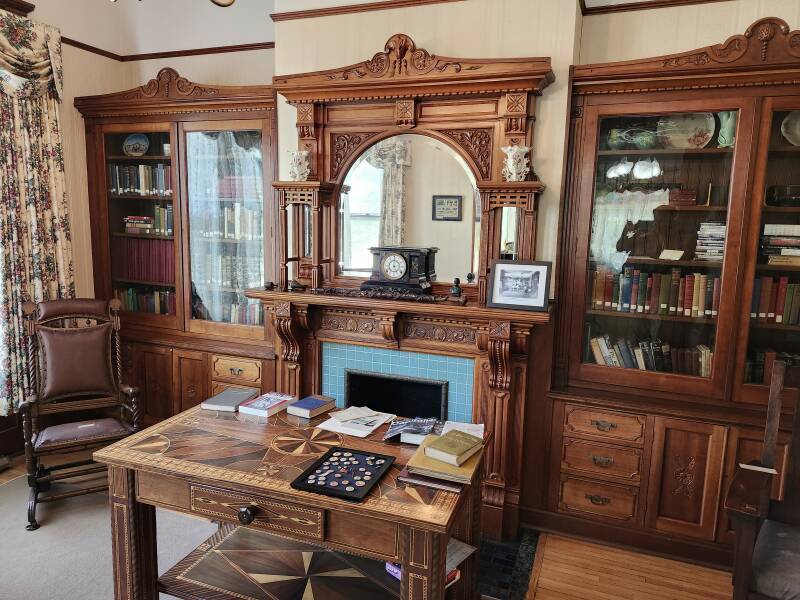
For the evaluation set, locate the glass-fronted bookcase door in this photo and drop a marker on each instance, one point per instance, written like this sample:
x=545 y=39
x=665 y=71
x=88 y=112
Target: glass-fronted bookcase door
x=770 y=315
x=224 y=185
x=663 y=201
x=142 y=200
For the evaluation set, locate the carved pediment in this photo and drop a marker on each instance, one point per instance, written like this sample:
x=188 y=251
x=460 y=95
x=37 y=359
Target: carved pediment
x=168 y=84
x=767 y=43
x=403 y=69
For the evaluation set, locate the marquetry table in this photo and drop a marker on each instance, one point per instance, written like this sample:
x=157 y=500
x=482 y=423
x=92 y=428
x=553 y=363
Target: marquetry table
x=236 y=469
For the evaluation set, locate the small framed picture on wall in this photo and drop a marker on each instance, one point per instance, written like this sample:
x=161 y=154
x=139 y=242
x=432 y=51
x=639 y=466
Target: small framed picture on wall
x=520 y=284
x=446 y=208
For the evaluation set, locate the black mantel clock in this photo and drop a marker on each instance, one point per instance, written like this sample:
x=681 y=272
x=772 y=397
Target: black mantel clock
x=407 y=268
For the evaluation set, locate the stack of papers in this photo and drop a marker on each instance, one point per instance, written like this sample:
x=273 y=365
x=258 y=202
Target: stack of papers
x=358 y=421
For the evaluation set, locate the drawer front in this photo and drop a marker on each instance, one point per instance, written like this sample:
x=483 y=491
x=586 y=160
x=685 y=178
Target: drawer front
x=597 y=498
x=270 y=515
x=582 y=421
x=244 y=370
x=602 y=460
x=221 y=386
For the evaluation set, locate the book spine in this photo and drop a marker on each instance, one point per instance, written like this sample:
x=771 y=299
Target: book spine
x=648 y=296
x=675 y=280
x=763 y=303
x=634 y=306
x=780 y=299
x=696 y=295
x=715 y=298
x=687 y=295
x=655 y=294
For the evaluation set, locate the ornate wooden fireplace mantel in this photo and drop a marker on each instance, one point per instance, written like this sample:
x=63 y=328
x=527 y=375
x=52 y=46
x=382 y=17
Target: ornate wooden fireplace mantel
x=475 y=107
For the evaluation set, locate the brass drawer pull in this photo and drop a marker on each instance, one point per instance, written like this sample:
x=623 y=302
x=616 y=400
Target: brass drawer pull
x=236 y=371
x=602 y=461
x=605 y=426
x=598 y=500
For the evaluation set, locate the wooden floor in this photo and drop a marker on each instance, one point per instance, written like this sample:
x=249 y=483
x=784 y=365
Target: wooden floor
x=17 y=468
x=567 y=569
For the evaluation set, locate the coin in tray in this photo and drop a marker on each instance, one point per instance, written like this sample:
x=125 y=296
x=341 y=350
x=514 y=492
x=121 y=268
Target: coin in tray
x=344 y=473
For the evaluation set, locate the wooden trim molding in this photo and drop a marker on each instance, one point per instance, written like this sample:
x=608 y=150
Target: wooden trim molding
x=168 y=53
x=18 y=7
x=352 y=8
x=646 y=5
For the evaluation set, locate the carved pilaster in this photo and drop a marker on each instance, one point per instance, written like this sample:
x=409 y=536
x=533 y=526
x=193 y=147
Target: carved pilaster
x=499 y=355
x=404 y=114
x=290 y=321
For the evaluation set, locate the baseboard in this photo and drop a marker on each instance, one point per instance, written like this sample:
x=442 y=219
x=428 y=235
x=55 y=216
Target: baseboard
x=658 y=544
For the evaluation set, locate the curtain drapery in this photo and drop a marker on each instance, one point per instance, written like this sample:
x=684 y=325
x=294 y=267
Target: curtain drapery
x=394 y=157
x=35 y=246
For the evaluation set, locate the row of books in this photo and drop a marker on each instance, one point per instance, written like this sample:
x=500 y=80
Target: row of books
x=758 y=366
x=161 y=223
x=239 y=272
x=651 y=355
x=710 y=241
x=136 y=259
x=243 y=313
x=775 y=300
x=241 y=186
x=232 y=222
x=234 y=399
x=780 y=244
x=159 y=302
x=633 y=290
x=143 y=180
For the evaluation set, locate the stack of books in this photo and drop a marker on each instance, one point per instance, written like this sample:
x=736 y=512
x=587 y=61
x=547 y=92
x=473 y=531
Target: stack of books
x=679 y=197
x=775 y=300
x=138 y=225
x=267 y=404
x=358 y=421
x=634 y=290
x=651 y=355
x=453 y=456
x=711 y=241
x=781 y=244
x=311 y=406
x=457 y=553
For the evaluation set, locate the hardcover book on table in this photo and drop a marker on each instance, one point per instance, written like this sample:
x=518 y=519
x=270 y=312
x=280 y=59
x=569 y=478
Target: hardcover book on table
x=267 y=404
x=420 y=464
x=229 y=399
x=311 y=406
x=454 y=447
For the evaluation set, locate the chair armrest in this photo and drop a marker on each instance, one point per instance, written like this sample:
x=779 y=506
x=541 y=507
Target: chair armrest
x=748 y=494
x=26 y=406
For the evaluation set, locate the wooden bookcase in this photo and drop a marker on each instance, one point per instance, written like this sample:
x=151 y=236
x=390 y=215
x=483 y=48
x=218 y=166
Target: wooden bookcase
x=641 y=452
x=181 y=226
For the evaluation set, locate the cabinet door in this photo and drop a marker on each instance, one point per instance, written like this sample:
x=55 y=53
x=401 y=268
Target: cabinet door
x=190 y=378
x=685 y=477
x=155 y=372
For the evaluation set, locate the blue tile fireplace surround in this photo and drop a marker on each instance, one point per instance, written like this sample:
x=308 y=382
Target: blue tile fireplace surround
x=458 y=372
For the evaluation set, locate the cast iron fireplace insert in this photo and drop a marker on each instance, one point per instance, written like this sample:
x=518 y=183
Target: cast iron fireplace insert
x=396 y=394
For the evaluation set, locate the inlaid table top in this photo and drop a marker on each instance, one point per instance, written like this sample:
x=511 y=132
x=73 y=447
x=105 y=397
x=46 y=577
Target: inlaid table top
x=266 y=455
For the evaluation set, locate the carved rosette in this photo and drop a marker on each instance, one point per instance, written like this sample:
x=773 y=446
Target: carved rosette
x=342 y=147
x=404 y=114
x=477 y=143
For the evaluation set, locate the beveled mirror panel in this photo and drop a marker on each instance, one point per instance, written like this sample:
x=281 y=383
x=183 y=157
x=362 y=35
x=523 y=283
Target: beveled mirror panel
x=410 y=190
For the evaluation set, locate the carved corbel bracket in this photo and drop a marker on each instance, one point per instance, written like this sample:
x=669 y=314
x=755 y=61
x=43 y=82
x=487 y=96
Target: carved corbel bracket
x=405 y=113
x=515 y=116
x=308 y=132
x=500 y=355
x=387 y=321
x=286 y=330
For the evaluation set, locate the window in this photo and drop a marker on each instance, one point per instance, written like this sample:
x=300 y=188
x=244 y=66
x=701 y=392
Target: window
x=360 y=213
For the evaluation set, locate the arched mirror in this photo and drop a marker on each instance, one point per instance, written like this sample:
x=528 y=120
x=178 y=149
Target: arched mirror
x=410 y=190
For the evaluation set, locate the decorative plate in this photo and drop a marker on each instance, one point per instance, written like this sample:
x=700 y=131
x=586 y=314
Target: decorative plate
x=790 y=128
x=136 y=144
x=690 y=130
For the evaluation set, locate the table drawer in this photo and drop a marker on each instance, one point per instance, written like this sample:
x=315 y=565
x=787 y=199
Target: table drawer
x=584 y=421
x=270 y=515
x=233 y=368
x=602 y=460
x=597 y=498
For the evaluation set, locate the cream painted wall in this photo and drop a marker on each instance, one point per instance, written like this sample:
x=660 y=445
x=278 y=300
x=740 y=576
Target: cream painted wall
x=475 y=28
x=233 y=68
x=644 y=33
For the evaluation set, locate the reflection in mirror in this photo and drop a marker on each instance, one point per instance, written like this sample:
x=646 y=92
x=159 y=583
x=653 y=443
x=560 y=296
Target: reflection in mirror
x=388 y=200
x=508 y=233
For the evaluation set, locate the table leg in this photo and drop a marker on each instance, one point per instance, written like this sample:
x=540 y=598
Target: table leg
x=423 y=555
x=133 y=539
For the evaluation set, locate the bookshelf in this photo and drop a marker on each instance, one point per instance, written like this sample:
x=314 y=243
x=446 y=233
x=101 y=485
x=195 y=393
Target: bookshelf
x=180 y=195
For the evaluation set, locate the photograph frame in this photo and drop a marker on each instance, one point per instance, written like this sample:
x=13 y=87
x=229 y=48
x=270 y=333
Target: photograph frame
x=436 y=209
x=540 y=299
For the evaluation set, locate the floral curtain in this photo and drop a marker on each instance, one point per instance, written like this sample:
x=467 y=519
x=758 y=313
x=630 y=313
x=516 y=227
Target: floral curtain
x=394 y=157
x=35 y=246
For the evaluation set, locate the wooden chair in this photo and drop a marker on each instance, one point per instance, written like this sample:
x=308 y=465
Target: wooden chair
x=74 y=400
x=767 y=533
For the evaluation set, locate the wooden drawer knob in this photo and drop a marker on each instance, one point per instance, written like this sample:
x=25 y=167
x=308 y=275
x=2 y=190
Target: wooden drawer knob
x=247 y=514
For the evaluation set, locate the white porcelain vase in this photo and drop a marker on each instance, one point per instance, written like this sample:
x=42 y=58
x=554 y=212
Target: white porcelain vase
x=516 y=165
x=299 y=168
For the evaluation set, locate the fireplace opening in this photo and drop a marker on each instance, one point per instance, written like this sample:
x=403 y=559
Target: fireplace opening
x=396 y=394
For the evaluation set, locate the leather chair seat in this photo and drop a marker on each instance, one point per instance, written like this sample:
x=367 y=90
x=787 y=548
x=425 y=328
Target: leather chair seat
x=80 y=432
x=776 y=561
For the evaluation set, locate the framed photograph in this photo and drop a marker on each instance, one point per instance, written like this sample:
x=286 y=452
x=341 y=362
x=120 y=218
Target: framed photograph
x=520 y=284
x=446 y=208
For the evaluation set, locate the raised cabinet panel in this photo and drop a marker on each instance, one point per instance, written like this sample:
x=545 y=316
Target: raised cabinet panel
x=685 y=477
x=130 y=373
x=155 y=372
x=190 y=379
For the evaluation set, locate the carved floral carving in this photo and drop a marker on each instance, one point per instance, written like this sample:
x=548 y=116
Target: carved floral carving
x=439 y=331
x=478 y=144
x=684 y=474
x=168 y=84
x=343 y=145
x=348 y=323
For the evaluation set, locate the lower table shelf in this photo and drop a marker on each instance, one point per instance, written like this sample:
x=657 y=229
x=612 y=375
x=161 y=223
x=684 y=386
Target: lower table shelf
x=239 y=563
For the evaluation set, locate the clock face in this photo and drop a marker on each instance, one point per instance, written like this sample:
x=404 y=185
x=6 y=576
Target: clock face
x=393 y=266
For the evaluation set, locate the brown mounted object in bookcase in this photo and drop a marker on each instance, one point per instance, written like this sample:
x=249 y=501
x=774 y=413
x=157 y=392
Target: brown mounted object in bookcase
x=646 y=448
x=188 y=332
x=471 y=108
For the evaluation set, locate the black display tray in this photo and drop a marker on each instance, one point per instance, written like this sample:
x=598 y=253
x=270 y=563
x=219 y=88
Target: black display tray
x=348 y=472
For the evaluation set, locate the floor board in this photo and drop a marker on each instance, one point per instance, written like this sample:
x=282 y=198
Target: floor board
x=568 y=569
x=17 y=468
